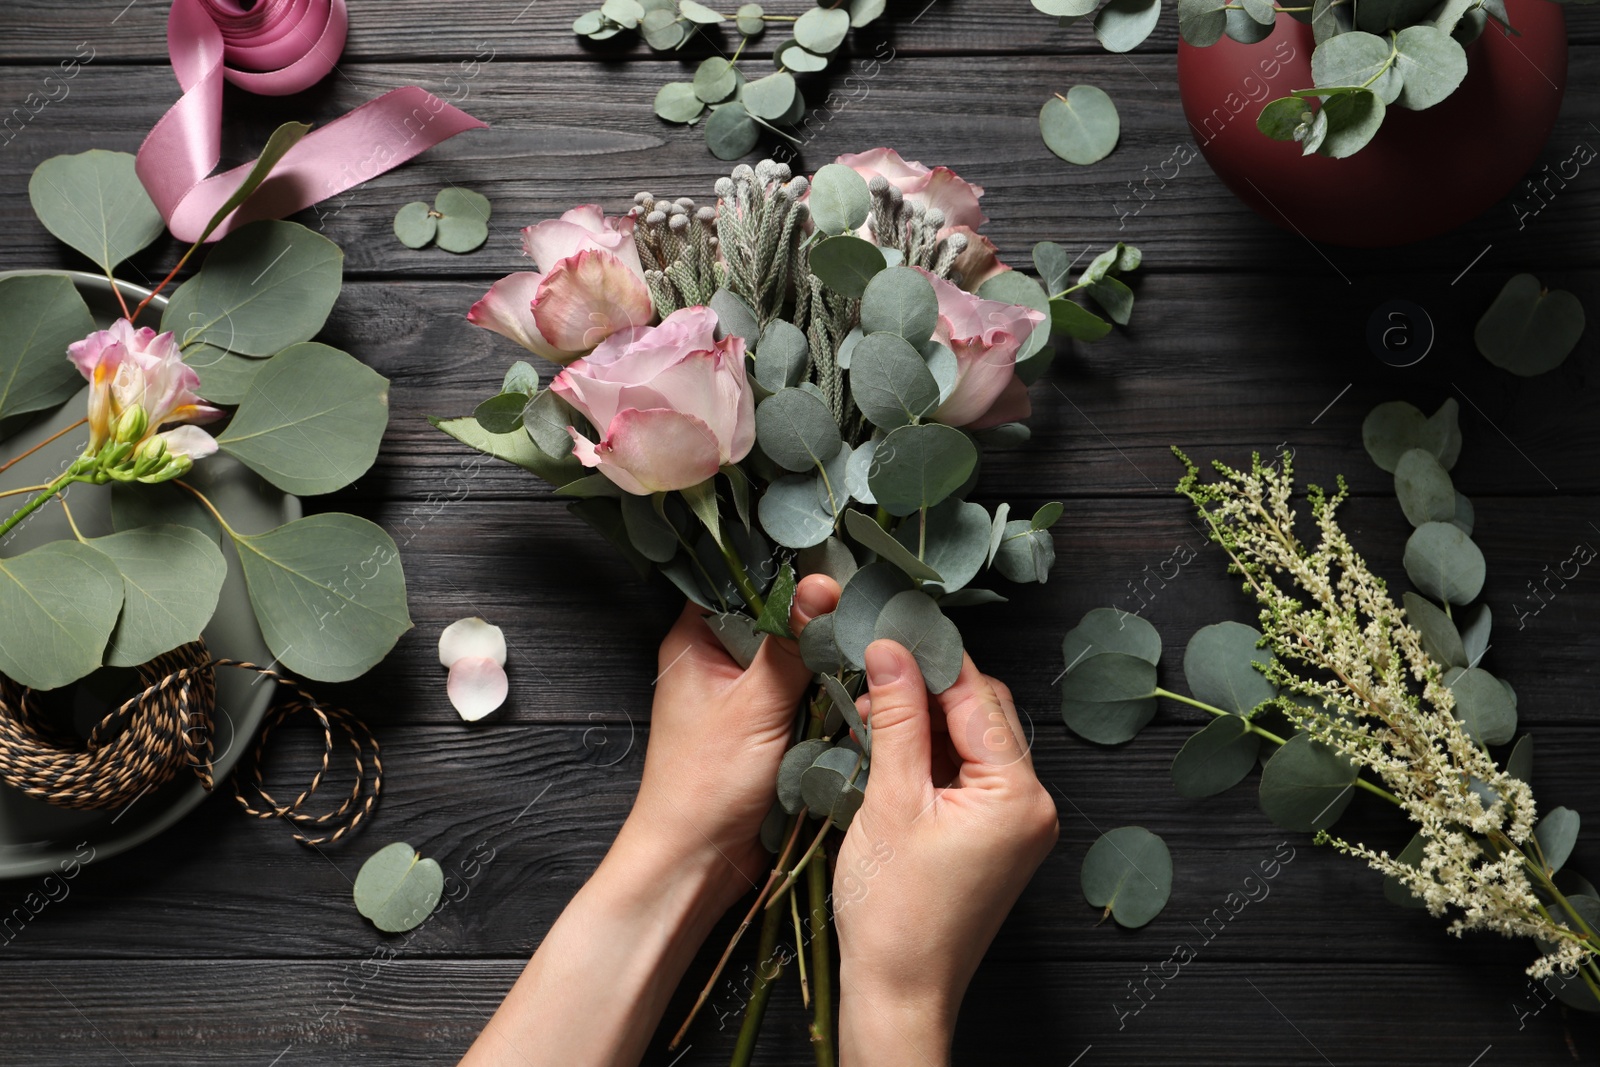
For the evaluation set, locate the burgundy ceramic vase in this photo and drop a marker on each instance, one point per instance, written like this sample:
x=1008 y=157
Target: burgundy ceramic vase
x=1424 y=172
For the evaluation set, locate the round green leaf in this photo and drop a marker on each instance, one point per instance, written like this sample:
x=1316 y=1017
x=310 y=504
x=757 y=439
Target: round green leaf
x=956 y=541
x=714 y=80
x=918 y=466
x=864 y=12
x=791 y=512
x=822 y=29
x=1201 y=23
x=1424 y=488
x=312 y=420
x=263 y=288
x=464 y=225
x=699 y=13
x=1244 y=29
x=1528 y=330
x=796 y=430
x=321 y=615
x=749 y=21
x=1484 y=707
x=1066 y=9
x=1110 y=630
x=1440 y=639
x=662 y=29
x=1015 y=287
x=900 y=300
x=40 y=315
x=1356 y=58
x=833 y=787
x=95 y=202
x=1351 y=121
x=58 y=605
x=415 y=225
x=839 y=200
x=846 y=263
x=1263 y=11
x=1556 y=833
x=790 y=55
x=1128 y=872
x=1025 y=553
x=862 y=600
x=398 y=889
x=1431 y=65
x=913 y=619
x=1122 y=25
x=1390 y=430
x=502 y=413
x=1215 y=759
x=1306 y=785
x=171 y=578
x=624 y=13
x=1282 y=118
x=1109 y=697
x=731 y=132
x=890 y=382
x=589 y=22
x=793 y=765
x=1519 y=764
x=1219 y=665
x=782 y=356
x=1443 y=562
x=1475 y=634
x=770 y=98
x=1081 y=127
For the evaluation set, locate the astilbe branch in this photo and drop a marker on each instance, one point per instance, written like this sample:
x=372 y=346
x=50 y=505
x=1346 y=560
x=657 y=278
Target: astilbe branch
x=1341 y=641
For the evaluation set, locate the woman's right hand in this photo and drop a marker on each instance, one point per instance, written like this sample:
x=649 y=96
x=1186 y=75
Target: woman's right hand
x=953 y=826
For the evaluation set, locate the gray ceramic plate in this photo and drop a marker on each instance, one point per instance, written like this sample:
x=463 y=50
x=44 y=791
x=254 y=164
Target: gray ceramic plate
x=34 y=836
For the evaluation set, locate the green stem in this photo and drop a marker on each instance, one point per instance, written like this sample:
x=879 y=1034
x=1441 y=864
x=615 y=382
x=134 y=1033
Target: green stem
x=821 y=966
x=72 y=474
x=922 y=532
x=1394 y=50
x=1375 y=790
x=741 y=576
x=215 y=514
x=760 y=990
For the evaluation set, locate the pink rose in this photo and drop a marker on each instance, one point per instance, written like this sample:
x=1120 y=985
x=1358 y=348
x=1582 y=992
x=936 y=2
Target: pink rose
x=937 y=188
x=140 y=384
x=590 y=285
x=978 y=262
x=671 y=402
x=985 y=336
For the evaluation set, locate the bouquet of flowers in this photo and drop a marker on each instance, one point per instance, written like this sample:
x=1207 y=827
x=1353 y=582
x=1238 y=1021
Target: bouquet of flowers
x=795 y=380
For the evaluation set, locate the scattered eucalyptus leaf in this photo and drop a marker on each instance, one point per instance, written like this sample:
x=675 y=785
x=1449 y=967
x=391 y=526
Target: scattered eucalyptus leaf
x=1128 y=872
x=397 y=889
x=415 y=225
x=1529 y=330
x=1081 y=127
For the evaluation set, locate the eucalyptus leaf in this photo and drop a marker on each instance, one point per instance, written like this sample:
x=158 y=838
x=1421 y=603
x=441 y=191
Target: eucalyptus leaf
x=263 y=287
x=40 y=315
x=1026 y=554
x=312 y=420
x=900 y=300
x=171 y=578
x=1352 y=121
x=714 y=79
x=846 y=263
x=463 y=218
x=1114 y=297
x=1081 y=127
x=833 y=787
x=822 y=29
x=1241 y=27
x=1054 y=265
x=844 y=704
x=954 y=539
x=1464 y=516
x=875 y=538
x=770 y=98
x=1356 y=58
x=95 y=202
x=1110 y=630
x=678 y=102
x=1306 y=785
x=1440 y=639
x=1390 y=430
x=398 y=889
x=649 y=531
x=321 y=613
x=1067 y=9
x=1015 y=287
x=1483 y=705
x=1393 y=888
x=1123 y=25
x=1444 y=563
x=839 y=200
x=225 y=377
x=792 y=56
x=1109 y=697
x=1519 y=764
x=1128 y=872
x=1220 y=665
x=860 y=603
x=1424 y=488
x=737 y=634
x=795 y=763
x=731 y=132
x=1557 y=833
x=1430 y=63
x=818 y=649
x=791 y=513
x=1216 y=758
x=415 y=225
x=1076 y=321
x=1529 y=330
x=1282 y=118
x=782 y=356
x=890 y=382
x=1201 y=23
x=913 y=619
x=831 y=557
x=796 y=430
x=918 y=466
x=58 y=606
x=1475 y=635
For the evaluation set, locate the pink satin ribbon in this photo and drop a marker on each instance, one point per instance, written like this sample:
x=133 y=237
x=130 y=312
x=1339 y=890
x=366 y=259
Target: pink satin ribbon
x=275 y=48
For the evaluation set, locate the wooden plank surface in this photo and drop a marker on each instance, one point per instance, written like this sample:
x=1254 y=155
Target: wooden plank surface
x=224 y=941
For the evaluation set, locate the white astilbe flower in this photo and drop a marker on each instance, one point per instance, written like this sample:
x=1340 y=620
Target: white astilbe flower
x=1341 y=641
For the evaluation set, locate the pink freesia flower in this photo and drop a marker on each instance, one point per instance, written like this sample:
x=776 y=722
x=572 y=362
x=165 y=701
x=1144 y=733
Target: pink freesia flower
x=939 y=187
x=985 y=336
x=671 y=403
x=132 y=368
x=589 y=286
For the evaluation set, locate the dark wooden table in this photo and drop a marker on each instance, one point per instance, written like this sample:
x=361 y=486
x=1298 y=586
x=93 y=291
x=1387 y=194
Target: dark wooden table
x=226 y=942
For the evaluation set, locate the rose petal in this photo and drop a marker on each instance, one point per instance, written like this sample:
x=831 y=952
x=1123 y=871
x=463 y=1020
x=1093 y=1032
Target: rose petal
x=472 y=637
x=659 y=449
x=979 y=261
x=884 y=161
x=507 y=309
x=1012 y=405
x=477 y=686
x=954 y=196
x=586 y=298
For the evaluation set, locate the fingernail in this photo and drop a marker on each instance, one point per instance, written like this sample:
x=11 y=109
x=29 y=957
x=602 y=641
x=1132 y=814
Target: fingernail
x=883 y=666
x=810 y=600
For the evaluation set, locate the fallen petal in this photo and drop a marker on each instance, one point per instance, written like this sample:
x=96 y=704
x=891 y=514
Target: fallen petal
x=472 y=637
x=477 y=686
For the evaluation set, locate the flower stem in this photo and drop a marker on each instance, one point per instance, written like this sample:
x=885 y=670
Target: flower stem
x=215 y=514
x=72 y=474
x=8 y=464
x=821 y=965
x=24 y=489
x=170 y=275
x=800 y=956
x=767 y=972
x=741 y=577
x=798 y=867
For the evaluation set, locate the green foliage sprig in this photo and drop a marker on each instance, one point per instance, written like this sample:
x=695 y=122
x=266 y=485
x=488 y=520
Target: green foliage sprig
x=740 y=108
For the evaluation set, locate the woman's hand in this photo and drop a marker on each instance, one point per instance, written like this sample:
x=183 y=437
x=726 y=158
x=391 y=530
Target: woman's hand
x=953 y=826
x=716 y=736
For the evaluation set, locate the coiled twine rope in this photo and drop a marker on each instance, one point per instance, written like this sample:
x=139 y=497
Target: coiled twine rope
x=168 y=726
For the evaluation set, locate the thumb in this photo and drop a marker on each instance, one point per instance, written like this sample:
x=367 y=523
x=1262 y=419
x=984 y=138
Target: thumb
x=898 y=714
x=777 y=672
